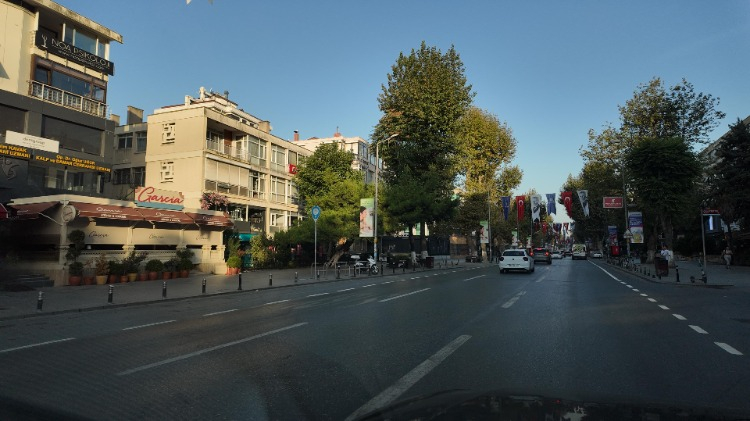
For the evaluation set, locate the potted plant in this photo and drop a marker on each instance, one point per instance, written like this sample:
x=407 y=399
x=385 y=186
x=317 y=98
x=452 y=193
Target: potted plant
x=75 y=272
x=131 y=263
x=116 y=272
x=153 y=267
x=88 y=279
x=101 y=269
x=78 y=242
x=173 y=266
x=185 y=262
x=234 y=263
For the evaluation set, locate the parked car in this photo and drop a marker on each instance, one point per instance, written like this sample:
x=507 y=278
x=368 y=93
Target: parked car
x=516 y=259
x=557 y=254
x=596 y=254
x=541 y=254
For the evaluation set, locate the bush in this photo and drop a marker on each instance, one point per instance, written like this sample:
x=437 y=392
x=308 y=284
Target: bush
x=115 y=268
x=133 y=260
x=101 y=265
x=186 y=264
x=75 y=269
x=154 y=265
x=234 y=262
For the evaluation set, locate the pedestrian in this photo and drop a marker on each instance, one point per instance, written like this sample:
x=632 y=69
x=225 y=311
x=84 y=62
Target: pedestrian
x=666 y=254
x=727 y=255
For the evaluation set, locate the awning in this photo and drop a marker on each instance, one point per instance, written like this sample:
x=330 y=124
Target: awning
x=92 y=210
x=211 y=220
x=161 y=215
x=31 y=210
x=3 y=212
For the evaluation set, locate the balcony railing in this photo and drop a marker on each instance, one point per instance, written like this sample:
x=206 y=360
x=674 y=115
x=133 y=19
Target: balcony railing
x=67 y=99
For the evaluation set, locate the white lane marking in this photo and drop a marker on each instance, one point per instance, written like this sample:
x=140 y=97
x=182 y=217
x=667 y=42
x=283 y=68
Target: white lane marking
x=206 y=350
x=636 y=290
x=728 y=348
x=319 y=294
x=416 y=277
x=388 y=282
x=644 y=295
x=33 y=345
x=629 y=286
x=652 y=300
x=275 y=302
x=663 y=307
x=541 y=278
x=403 y=295
x=219 y=312
x=679 y=317
x=513 y=300
x=469 y=279
x=365 y=286
x=698 y=329
x=347 y=289
x=150 y=324
x=404 y=383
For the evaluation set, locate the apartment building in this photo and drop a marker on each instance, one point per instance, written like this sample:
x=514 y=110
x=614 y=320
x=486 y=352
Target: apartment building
x=364 y=159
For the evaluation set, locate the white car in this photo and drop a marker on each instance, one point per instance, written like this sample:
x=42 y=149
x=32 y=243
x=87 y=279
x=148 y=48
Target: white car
x=597 y=255
x=516 y=259
x=557 y=254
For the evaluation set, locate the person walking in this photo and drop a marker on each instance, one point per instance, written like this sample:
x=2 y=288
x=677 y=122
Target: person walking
x=727 y=255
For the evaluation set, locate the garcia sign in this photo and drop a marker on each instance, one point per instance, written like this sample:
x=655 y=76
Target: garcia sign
x=151 y=197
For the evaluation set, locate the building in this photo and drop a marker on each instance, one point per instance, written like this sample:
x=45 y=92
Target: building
x=363 y=159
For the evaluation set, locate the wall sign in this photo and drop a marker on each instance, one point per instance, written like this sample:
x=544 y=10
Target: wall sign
x=33 y=142
x=67 y=51
x=151 y=197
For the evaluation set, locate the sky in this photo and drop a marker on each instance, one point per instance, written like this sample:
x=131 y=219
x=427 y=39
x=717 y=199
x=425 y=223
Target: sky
x=551 y=70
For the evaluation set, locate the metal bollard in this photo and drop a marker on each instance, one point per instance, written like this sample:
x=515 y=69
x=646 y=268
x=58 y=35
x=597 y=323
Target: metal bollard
x=270 y=279
x=203 y=287
x=355 y=271
x=239 y=281
x=40 y=301
x=111 y=294
x=677 y=273
x=164 y=290
x=317 y=275
x=296 y=277
x=393 y=267
x=338 y=272
x=381 y=269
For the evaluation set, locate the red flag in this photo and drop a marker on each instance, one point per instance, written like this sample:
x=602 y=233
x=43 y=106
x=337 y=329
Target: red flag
x=520 y=201
x=567 y=198
x=544 y=227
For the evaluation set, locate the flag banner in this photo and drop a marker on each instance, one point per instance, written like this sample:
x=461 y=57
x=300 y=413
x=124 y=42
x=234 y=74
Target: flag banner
x=635 y=224
x=544 y=228
x=366 y=216
x=583 y=196
x=557 y=227
x=567 y=198
x=551 y=206
x=536 y=205
x=483 y=232
x=506 y=205
x=520 y=206
x=565 y=225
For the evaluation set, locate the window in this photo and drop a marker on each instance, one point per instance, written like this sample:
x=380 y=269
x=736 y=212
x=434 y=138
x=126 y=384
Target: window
x=11 y=119
x=257 y=148
x=125 y=141
x=257 y=185
x=167 y=171
x=278 y=158
x=140 y=142
x=70 y=80
x=278 y=189
x=121 y=176
x=72 y=136
x=293 y=159
x=167 y=133
x=84 y=41
x=139 y=176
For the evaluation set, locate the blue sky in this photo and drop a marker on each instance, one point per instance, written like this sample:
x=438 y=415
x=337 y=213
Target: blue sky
x=550 y=69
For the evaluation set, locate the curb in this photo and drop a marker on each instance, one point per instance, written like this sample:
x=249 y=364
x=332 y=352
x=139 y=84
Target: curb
x=679 y=284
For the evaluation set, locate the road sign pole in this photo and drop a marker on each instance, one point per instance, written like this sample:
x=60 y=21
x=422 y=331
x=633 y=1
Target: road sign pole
x=315 y=214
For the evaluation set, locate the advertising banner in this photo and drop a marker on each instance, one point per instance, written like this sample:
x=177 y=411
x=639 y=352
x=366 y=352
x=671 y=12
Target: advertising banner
x=366 y=217
x=483 y=232
x=610 y=202
x=635 y=224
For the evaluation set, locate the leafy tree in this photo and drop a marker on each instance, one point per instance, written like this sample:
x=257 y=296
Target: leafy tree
x=729 y=177
x=425 y=96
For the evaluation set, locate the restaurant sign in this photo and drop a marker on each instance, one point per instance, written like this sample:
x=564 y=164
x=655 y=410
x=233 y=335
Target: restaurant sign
x=151 y=197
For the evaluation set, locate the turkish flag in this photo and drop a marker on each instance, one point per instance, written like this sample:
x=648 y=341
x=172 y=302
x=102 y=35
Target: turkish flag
x=520 y=202
x=567 y=198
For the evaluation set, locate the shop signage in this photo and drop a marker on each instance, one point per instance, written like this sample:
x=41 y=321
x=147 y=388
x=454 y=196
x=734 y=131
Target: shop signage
x=105 y=235
x=155 y=236
x=14 y=151
x=151 y=197
x=33 y=142
x=613 y=202
x=72 y=53
x=70 y=161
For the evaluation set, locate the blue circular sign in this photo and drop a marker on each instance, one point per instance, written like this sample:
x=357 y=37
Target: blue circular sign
x=315 y=212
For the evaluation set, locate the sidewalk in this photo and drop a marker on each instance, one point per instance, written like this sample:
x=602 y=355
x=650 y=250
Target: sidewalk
x=15 y=305
x=717 y=275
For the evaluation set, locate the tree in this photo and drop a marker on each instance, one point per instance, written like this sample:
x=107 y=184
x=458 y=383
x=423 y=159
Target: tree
x=729 y=177
x=425 y=96
x=320 y=171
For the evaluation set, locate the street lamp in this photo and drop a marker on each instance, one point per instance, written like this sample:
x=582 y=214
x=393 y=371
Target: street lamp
x=375 y=213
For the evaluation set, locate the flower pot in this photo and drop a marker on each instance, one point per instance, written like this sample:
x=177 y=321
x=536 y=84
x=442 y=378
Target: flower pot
x=184 y=273
x=175 y=275
x=74 y=280
x=88 y=280
x=166 y=275
x=123 y=279
x=143 y=276
x=152 y=276
x=132 y=276
x=113 y=279
x=101 y=279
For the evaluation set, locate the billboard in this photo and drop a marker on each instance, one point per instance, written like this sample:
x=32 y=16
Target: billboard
x=635 y=224
x=366 y=217
x=483 y=232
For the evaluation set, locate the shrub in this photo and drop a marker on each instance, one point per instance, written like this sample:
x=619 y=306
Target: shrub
x=75 y=269
x=154 y=265
x=133 y=260
x=101 y=265
x=234 y=262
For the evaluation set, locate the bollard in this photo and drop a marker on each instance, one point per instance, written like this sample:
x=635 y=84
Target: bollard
x=704 y=278
x=111 y=294
x=393 y=267
x=203 y=288
x=403 y=268
x=413 y=267
x=40 y=301
x=692 y=279
x=677 y=273
x=239 y=281
x=355 y=271
x=270 y=279
x=381 y=269
x=369 y=272
x=338 y=272
x=317 y=275
x=296 y=277
x=164 y=290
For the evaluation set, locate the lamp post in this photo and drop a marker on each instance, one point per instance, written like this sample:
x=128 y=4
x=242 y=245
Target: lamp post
x=375 y=210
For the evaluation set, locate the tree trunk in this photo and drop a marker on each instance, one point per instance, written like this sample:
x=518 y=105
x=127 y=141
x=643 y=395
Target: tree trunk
x=422 y=238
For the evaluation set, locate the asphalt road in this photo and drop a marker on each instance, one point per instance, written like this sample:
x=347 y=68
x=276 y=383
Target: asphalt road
x=574 y=329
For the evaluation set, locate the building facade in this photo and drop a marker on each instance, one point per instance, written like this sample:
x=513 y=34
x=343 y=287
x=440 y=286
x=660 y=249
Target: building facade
x=364 y=158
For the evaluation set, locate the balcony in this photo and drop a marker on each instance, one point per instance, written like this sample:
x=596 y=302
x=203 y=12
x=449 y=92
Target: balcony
x=67 y=99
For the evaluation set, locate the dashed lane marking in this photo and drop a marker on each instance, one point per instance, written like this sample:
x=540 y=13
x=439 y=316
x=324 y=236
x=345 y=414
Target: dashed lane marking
x=663 y=307
x=728 y=348
x=319 y=294
x=275 y=302
x=150 y=324
x=698 y=329
x=33 y=345
x=219 y=312
x=652 y=300
x=679 y=317
x=403 y=295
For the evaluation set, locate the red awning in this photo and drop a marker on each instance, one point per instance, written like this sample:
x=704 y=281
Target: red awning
x=31 y=210
x=161 y=215
x=3 y=212
x=92 y=210
x=211 y=220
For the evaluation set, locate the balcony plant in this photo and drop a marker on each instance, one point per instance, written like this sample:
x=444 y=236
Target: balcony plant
x=101 y=269
x=153 y=267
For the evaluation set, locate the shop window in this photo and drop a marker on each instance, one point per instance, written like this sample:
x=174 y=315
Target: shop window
x=11 y=119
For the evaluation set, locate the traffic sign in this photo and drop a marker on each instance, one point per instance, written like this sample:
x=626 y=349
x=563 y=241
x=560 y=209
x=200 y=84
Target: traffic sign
x=315 y=212
x=628 y=234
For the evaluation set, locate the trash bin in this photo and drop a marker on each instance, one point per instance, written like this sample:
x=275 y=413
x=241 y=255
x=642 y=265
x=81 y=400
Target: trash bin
x=429 y=262
x=662 y=266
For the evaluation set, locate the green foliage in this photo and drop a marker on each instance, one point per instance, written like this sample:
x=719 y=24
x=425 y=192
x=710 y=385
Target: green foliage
x=259 y=251
x=132 y=261
x=154 y=265
x=233 y=246
x=115 y=268
x=78 y=242
x=729 y=178
x=75 y=269
x=320 y=172
x=101 y=265
x=234 y=262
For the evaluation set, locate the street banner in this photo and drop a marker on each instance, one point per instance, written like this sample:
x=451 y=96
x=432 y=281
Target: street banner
x=635 y=224
x=551 y=207
x=612 y=202
x=536 y=204
x=583 y=196
x=557 y=227
x=612 y=234
x=366 y=216
x=506 y=205
x=544 y=228
x=520 y=202
x=483 y=232
x=567 y=199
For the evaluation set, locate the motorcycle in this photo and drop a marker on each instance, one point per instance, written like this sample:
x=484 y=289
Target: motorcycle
x=372 y=265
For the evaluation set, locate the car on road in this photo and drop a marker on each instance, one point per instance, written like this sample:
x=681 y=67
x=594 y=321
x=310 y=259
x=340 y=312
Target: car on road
x=541 y=254
x=516 y=259
x=597 y=254
x=557 y=254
